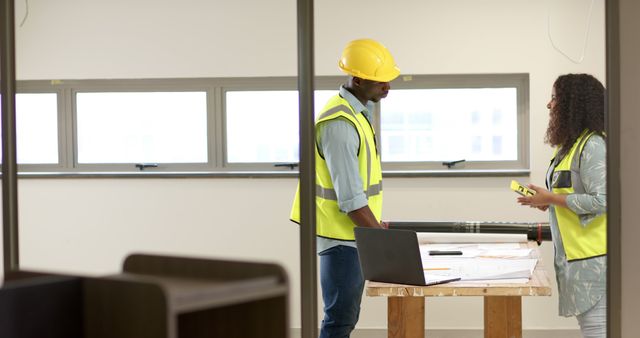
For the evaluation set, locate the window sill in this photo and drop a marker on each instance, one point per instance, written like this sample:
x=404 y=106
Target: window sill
x=273 y=174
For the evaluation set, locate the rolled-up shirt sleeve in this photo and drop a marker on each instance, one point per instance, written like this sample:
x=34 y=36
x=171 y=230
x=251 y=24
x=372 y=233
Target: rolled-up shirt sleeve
x=338 y=142
x=593 y=172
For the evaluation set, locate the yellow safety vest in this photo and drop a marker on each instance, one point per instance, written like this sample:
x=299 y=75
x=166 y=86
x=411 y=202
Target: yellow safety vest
x=580 y=242
x=330 y=221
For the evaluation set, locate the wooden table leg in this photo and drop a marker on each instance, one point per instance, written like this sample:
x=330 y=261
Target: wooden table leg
x=502 y=317
x=405 y=317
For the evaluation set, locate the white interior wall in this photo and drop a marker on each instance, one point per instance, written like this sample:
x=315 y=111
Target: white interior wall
x=87 y=226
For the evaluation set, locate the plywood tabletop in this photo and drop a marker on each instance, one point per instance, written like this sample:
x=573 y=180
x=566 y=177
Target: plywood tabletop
x=538 y=285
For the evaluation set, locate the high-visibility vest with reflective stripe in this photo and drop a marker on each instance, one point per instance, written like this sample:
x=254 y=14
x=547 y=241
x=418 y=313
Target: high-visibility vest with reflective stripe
x=330 y=221
x=580 y=242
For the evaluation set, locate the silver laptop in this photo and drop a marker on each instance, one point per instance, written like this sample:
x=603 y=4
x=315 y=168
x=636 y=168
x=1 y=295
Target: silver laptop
x=393 y=256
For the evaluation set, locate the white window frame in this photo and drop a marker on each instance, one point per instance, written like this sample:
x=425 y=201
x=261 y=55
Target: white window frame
x=447 y=81
x=43 y=87
x=216 y=88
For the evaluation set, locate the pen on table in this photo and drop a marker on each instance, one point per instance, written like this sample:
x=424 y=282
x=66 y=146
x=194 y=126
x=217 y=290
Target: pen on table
x=444 y=252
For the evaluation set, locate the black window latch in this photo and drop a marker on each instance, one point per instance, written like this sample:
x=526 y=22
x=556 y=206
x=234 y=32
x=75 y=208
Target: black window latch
x=450 y=164
x=289 y=165
x=142 y=166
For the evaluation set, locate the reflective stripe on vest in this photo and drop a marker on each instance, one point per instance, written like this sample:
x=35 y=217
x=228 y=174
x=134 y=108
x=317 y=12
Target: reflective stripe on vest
x=580 y=242
x=330 y=194
x=330 y=221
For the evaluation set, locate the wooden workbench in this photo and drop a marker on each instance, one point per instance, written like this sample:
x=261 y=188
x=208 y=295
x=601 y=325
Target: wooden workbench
x=502 y=302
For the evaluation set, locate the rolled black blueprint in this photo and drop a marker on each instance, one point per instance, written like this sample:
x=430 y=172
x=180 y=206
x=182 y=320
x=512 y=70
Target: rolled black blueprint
x=535 y=231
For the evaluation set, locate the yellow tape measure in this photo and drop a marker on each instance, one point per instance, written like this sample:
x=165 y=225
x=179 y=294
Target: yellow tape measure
x=521 y=189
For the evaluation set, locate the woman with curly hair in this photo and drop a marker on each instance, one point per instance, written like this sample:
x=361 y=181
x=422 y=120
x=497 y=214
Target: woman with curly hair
x=576 y=199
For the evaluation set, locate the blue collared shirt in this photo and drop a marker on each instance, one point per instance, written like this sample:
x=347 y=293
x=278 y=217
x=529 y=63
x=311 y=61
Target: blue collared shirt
x=338 y=142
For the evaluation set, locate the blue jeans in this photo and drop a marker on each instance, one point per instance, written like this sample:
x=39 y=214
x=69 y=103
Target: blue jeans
x=342 y=284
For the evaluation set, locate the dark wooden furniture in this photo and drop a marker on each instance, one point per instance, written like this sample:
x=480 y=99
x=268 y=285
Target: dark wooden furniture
x=154 y=297
x=41 y=306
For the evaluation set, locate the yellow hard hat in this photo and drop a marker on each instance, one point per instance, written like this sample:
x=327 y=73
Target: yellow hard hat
x=368 y=59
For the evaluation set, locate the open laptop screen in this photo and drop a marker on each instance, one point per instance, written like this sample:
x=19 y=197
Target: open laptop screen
x=393 y=256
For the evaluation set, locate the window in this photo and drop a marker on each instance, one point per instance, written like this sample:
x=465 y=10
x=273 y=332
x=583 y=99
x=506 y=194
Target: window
x=446 y=124
x=250 y=125
x=36 y=128
x=141 y=127
x=427 y=121
x=262 y=126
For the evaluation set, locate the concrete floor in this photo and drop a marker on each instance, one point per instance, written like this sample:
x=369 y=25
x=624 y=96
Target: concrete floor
x=379 y=333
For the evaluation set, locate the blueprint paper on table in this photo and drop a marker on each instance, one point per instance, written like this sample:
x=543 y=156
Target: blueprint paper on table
x=482 y=269
x=485 y=258
x=486 y=250
x=449 y=237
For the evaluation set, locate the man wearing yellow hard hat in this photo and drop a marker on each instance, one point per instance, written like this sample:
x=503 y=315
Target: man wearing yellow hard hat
x=348 y=180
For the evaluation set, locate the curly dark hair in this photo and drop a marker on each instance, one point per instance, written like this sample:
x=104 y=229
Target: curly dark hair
x=579 y=105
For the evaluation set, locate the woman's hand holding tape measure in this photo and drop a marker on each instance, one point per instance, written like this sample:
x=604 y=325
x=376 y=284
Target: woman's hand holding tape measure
x=537 y=197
